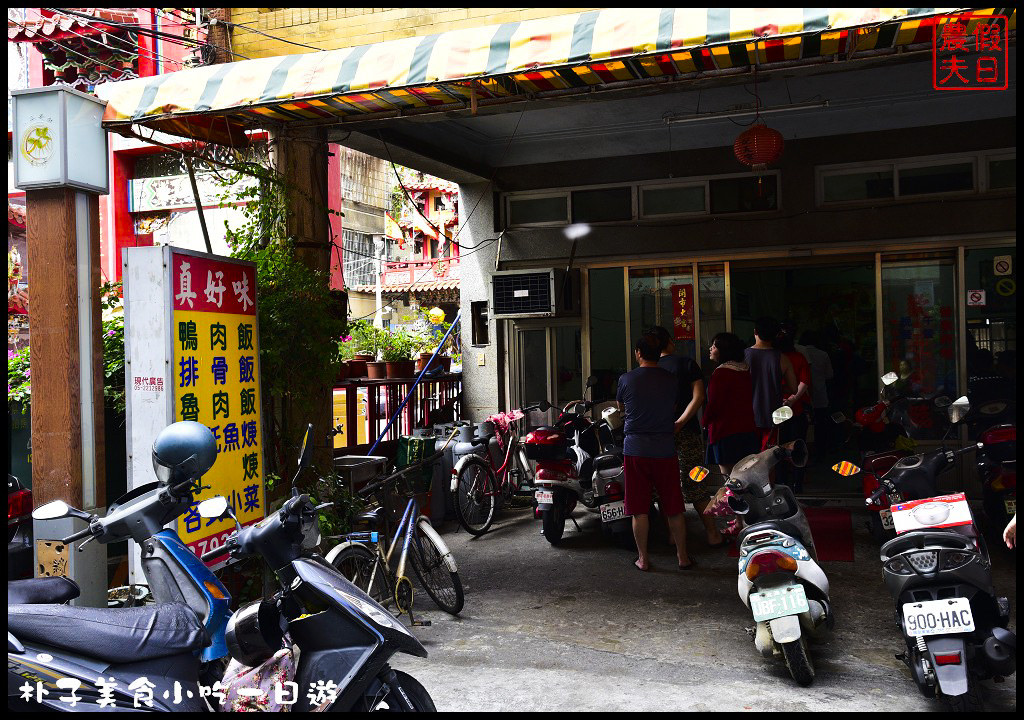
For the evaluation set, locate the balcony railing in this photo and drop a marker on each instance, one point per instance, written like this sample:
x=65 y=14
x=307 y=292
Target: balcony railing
x=405 y=273
x=363 y=407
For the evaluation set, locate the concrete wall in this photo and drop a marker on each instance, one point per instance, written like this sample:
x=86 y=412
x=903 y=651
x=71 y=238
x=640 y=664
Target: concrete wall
x=482 y=385
x=333 y=28
x=798 y=222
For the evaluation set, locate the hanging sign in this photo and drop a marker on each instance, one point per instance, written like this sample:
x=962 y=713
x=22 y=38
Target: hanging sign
x=682 y=312
x=976 y=298
x=193 y=343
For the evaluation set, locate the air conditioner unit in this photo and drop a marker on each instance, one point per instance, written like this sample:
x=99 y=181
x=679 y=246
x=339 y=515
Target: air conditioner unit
x=534 y=293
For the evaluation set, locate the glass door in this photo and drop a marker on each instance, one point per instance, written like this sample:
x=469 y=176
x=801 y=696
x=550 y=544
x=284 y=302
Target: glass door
x=664 y=296
x=549 y=366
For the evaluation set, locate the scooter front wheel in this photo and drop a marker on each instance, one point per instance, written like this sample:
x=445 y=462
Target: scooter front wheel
x=798 y=660
x=414 y=691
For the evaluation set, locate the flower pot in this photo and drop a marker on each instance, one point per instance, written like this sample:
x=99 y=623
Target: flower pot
x=357 y=365
x=421 y=361
x=446 y=362
x=376 y=370
x=343 y=371
x=401 y=369
x=443 y=361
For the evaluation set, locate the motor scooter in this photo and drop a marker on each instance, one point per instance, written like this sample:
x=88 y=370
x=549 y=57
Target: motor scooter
x=779 y=577
x=106 y=655
x=882 y=439
x=992 y=422
x=19 y=529
x=938 y=571
x=579 y=461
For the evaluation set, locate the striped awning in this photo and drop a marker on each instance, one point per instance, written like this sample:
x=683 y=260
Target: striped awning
x=489 y=65
x=422 y=286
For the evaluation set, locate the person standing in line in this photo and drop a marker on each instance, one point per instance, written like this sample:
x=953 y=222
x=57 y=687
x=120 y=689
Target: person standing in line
x=689 y=447
x=647 y=394
x=821 y=373
x=800 y=402
x=771 y=373
x=729 y=413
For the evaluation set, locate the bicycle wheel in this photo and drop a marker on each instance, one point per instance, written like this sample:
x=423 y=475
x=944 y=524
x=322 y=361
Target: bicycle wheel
x=441 y=582
x=526 y=473
x=356 y=563
x=476 y=497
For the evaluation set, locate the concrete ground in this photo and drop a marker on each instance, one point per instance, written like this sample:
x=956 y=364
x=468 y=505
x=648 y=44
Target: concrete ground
x=577 y=627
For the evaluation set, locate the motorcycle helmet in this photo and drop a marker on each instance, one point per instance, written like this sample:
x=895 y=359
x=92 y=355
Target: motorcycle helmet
x=254 y=633
x=183 y=451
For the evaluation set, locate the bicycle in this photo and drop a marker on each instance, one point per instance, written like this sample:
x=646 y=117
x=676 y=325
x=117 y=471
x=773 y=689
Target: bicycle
x=370 y=569
x=475 y=479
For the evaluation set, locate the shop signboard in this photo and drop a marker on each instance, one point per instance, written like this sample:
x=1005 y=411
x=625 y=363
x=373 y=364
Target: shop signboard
x=192 y=340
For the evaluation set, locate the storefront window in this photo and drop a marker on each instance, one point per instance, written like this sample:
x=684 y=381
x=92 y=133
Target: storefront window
x=608 y=341
x=568 y=380
x=711 y=284
x=990 y=275
x=919 y=325
x=664 y=296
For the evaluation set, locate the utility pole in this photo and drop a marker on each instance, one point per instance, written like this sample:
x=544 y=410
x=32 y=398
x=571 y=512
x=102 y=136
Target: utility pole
x=378 y=250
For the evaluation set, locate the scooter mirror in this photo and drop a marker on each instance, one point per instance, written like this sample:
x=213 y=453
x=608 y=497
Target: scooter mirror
x=592 y=381
x=838 y=417
x=52 y=511
x=306 y=456
x=544 y=405
x=783 y=414
x=214 y=508
x=959 y=409
x=890 y=378
x=698 y=473
x=942 y=401
x=992 y=408
x=846 y=468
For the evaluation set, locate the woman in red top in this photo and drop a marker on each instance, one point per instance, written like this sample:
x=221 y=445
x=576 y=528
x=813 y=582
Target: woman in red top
x=729 y=413
x=800 y=401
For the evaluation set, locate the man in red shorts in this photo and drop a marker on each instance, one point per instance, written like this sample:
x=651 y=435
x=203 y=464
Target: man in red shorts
x=648 y=395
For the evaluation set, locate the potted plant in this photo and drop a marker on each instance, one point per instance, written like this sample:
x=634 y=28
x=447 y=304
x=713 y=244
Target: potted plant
x=436 y=327
x=364 y=347
x=346 y=351
x=397 y=353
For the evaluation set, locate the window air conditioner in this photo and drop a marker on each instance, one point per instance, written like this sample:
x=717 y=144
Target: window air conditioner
x=534 y=293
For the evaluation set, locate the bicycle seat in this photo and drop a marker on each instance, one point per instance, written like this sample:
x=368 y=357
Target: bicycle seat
x=481 y=440
x=124 y=635
x=374 y=518
x=36 y=591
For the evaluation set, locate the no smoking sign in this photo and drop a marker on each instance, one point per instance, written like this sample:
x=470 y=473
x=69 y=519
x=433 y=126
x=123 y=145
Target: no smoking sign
x=975 y=298
x=1002 y=265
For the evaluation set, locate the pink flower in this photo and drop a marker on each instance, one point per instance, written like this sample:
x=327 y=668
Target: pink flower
x=110 y=333
x=28 y=372
x=346 y=338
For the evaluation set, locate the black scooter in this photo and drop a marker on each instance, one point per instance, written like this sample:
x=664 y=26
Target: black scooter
x=343 y=636
x=953 y=622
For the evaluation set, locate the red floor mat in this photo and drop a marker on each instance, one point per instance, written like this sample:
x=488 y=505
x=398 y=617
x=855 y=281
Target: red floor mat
x=833 y=534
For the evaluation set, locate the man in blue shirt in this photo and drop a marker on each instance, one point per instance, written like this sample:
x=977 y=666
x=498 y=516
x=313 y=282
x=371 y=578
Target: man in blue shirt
x=648 y=395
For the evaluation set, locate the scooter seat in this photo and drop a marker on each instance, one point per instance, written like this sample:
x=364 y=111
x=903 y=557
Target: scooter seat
x=122 y=635
x=781 y=525
x=35 y=591
x=607 y=461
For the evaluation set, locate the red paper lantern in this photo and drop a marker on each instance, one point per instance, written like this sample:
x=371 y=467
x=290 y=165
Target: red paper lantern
x=758 y=146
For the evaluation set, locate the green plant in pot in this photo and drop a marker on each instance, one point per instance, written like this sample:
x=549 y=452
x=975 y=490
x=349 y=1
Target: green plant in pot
x=398 y=354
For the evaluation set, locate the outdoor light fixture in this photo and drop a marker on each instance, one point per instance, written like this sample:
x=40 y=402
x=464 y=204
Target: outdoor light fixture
x=724 y=114
x=576 y=231
x=59 y=140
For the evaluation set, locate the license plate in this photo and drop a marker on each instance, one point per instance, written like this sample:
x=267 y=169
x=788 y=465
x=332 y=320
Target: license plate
x=938 y=617
x=613 y=511
x=778 y=602
x=886 y=518
x=545 y=497
x=1011 y=507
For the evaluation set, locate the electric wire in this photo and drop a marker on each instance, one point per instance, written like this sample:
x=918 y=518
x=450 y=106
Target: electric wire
x=65 y=48
x=151 y=33
x=151 y=54
x=268 y=35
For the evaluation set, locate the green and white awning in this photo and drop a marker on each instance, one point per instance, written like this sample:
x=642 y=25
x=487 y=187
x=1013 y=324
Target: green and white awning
x=562 y=54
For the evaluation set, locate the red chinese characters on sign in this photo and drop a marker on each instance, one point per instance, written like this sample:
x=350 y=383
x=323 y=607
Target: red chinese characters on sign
x=204 y=285
x=682 y=312
x=149 y=384
x=971 y=52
